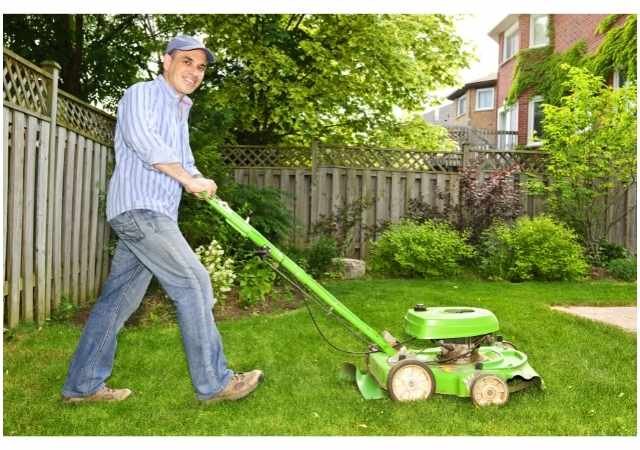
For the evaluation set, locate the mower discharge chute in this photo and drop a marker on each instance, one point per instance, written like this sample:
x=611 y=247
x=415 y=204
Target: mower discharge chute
x=467 y=360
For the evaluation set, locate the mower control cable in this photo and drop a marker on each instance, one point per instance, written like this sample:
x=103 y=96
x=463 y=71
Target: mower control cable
x=306 y=295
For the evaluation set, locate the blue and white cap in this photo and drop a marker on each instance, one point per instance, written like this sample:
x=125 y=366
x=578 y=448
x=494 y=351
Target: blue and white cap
x=186 y=43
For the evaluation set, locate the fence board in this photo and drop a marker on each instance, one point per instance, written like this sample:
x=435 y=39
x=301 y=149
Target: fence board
x=93 y=222
x=28 y=218
x=100 y=260
x=76 y=221
x=300 y=202
x=5 y=184
x=58 y=160
x=84 y=221
x=67 y=205
x=14 y=211
x=48 y=299
x=42 y=184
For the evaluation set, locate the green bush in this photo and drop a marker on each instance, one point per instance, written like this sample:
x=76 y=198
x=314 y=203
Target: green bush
x=623 y=268
x=430 y=249
x=319 y=256
x=255 y=281
x=532 y=249
x=608 y=251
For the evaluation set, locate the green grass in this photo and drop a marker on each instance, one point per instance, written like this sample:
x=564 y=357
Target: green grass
x=589 y=370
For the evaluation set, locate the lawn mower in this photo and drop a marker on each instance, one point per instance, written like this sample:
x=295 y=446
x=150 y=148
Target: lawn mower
x=462 y=355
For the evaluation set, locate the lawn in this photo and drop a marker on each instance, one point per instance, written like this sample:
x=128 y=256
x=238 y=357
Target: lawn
x=589 y=370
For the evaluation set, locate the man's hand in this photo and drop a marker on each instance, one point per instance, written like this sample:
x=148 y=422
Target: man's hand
x=198 y=185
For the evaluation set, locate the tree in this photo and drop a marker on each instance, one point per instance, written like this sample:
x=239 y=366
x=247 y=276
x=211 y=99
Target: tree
x=591 y=141
x=294 y=78
x=101 y=55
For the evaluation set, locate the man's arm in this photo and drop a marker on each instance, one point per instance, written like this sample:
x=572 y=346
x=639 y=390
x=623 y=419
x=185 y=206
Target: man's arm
x=193 y=184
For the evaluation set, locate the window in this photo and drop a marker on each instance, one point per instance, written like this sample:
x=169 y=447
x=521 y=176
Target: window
x=511 y=42
x=539 y=26
x=619 y=79
x=507 y=127
x=462 y=105
x=484 y=99
x=535 y=121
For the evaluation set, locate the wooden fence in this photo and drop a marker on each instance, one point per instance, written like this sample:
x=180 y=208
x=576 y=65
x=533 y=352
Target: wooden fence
x=317 y=182
x=56 y=154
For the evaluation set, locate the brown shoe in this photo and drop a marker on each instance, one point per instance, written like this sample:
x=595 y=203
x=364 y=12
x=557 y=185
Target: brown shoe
x=241 y=385
x=105 y=394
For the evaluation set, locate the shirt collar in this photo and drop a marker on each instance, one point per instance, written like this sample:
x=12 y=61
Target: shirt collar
x=186 y=102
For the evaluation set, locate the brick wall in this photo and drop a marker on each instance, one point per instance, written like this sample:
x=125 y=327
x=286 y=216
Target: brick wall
x=570 y=28
x=481 y=119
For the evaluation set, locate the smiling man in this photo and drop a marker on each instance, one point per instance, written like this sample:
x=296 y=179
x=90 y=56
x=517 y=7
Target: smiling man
x=154 y=163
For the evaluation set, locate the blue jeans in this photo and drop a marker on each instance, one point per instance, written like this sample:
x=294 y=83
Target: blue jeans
x=151 y=244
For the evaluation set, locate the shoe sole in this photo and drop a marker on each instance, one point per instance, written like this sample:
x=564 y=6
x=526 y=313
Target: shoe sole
x=77 y=400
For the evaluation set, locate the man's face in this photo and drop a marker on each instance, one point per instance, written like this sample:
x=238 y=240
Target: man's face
x=184 y=70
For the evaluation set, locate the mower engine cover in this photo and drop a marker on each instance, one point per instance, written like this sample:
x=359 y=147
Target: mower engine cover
x=449 y=322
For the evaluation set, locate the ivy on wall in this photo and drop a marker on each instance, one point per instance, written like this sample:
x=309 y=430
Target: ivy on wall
x=540 y=68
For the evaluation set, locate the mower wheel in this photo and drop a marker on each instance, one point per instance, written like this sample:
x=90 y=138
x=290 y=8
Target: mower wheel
x=488 y=390
x=410 y=380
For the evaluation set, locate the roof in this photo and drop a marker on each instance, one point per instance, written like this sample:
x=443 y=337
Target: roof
x=503 y=26
x=486 y=81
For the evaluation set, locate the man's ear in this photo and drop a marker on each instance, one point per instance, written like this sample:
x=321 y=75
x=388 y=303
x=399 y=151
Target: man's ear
x=166 y=61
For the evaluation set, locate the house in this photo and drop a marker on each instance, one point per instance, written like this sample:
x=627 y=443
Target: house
x=471 y=115
x=475 y=104
x=521 y=31
x=444 y=115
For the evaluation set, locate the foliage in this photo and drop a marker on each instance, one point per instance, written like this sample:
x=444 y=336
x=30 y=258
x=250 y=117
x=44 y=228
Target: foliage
x=607 y=23
x=419 y=211
x=264 y=208
x=320 y=254
x=539 y=69
x=608 y=251
x=532 y=249
x=623 y=268
x=220 y=268
x=294 y=78
x=413 y=133
x=65 y=311
x=618 y=51
x=340 y=224
x=101 y=55
x=591 y=141
x=486 y=197
x=430 y=249
x=255 y=281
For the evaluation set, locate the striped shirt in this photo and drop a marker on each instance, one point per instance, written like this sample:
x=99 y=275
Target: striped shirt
x=151 y=128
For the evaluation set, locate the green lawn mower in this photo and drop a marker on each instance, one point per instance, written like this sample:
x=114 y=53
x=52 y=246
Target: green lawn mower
x=461 y=354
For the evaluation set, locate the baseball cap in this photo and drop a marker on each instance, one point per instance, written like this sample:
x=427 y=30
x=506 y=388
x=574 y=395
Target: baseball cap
x=186 y=43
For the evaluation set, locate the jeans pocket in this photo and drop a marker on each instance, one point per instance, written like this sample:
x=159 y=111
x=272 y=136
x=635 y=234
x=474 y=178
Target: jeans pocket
x=126 y=227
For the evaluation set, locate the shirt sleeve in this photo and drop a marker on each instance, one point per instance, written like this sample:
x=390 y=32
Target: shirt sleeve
x=190 y=163
x=135 y=119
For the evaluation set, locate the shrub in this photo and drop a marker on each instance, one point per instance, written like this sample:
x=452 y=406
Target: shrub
x=319 y=256
x=623 y=268
x=537 y=248
x=486 y=198
x=608 y=251
x=220 y=269
x=341 y=223
x=431 y=249
x=255 y=280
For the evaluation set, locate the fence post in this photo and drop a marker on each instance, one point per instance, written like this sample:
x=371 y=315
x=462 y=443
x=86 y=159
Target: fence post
x=315 y=195
x=54 y=68
x=51 y=298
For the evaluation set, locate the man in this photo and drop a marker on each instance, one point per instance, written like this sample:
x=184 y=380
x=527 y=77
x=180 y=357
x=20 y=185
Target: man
x=153 y=163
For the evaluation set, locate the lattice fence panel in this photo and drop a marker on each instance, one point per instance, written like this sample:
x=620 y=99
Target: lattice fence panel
x=25 y=85
x=84 y=119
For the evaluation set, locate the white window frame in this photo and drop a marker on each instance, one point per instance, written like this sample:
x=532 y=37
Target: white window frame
x=616 y=80
x=532 y=43
x=493 y=98
x=513 y=29
x=507 y=142
x=466 y=105
x=531 y=140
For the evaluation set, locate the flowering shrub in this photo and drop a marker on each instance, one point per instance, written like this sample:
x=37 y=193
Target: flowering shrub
x=220 y=269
